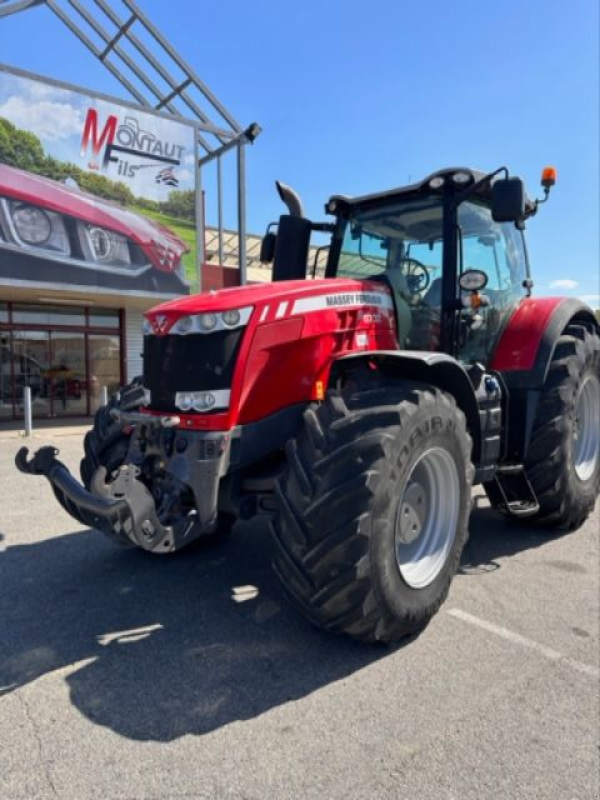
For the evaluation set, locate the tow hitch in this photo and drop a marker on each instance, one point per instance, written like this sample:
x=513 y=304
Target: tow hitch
x=124 y=508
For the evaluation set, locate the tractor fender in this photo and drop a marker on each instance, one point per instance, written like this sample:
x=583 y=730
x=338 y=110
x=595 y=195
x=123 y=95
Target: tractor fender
x=522 y=359
x=438 y=369
x=527 y=343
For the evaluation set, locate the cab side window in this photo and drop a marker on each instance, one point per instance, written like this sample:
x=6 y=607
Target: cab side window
x=497 y=249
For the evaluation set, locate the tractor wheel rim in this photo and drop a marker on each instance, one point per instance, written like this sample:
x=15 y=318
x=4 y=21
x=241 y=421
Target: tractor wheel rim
x=427 y=517
x=586 y=428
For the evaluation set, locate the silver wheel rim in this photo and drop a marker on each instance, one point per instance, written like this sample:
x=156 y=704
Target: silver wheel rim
x=427 y=517
x=586 y=428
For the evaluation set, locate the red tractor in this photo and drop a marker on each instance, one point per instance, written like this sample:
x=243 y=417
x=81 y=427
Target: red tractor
x=358 y=410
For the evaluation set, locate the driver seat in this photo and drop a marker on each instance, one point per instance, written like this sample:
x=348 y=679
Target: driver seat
x=397 y=282
x=433 y=295
x=426 y=318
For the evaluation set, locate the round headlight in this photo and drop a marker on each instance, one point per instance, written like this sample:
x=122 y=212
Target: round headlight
x=207 y=321
x=461 y=177
x=32 y=224
x=183 y=325
x=184 y=400
x=437 y=182
x=231 y=318
x=101 y=243
x=204 y=401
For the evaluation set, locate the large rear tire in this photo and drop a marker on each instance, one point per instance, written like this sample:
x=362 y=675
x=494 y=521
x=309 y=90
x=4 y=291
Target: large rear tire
x=373 y=509
x=563 y=461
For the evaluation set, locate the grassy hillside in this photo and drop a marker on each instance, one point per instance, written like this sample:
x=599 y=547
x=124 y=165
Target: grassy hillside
x=186 y=231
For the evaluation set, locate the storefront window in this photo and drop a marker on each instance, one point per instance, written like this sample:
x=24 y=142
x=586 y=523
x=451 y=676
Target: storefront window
x=48 y=315
x=65 y=369
x=105 y=366
x=104 y=318
x=30 y=363
x=6 y=392
x=66 y=376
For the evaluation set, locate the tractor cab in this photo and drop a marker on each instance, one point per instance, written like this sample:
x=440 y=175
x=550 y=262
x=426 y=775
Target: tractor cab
x=451 y=247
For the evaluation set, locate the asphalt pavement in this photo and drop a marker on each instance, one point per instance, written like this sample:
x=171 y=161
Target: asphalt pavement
x=126 y=675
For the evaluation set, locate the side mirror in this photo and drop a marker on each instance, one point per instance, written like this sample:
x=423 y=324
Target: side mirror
x=473 y=280
x=267 y=248
x=508 y=200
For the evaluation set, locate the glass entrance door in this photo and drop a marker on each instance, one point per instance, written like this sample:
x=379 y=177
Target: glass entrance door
x=66 y=356
x=105 y=366
x=52 y=364
x=66 y=376
x=31 y=362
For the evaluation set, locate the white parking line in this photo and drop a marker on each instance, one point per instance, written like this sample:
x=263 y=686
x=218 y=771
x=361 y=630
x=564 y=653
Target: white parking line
x=547 y=652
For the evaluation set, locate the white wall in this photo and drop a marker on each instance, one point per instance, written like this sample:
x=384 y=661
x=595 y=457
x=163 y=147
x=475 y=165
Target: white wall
x=134 y=343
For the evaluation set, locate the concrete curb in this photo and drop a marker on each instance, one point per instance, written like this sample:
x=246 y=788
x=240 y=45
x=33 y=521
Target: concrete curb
x=40 y=434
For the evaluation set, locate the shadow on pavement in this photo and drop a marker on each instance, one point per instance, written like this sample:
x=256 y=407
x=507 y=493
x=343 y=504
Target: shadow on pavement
x=183 y=644
x=493 y=536
x=170 y=652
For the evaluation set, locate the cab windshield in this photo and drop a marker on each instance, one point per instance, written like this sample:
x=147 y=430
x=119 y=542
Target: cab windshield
x=405 y=238
x=403 y=242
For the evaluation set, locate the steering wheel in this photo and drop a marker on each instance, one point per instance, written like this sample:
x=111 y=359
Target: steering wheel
x=417 y=275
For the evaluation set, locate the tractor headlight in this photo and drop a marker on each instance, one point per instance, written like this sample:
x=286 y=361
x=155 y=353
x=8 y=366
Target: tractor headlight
x=437 y=182
x=36 y=227
x=231 y=318
x=183 y=325
x=207 y=322
x=210 y=322
x=202 y=401
x=184 y=400
x=461 y=177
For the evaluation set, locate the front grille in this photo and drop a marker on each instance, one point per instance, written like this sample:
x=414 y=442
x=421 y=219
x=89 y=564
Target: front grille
x=196 y=362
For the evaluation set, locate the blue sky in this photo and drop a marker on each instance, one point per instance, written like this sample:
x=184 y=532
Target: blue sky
x=354 y=97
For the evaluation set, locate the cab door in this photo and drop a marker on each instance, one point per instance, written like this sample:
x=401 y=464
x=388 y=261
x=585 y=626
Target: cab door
x=498 y=250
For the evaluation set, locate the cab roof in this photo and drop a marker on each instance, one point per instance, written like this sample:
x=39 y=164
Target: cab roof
x=339 y=203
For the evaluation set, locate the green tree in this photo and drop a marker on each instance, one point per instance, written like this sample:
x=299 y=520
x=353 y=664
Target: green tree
x=180 y=204
x=19 y=148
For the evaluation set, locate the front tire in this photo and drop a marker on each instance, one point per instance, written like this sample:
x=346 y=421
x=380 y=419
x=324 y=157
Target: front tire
x=107 y=443
x=563 y=461
x=373 y=509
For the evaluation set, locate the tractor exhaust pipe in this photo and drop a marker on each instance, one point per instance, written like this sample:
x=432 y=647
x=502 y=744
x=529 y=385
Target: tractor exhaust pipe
x=291 y=199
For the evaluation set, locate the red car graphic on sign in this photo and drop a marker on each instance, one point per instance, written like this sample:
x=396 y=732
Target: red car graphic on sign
x=52 y=233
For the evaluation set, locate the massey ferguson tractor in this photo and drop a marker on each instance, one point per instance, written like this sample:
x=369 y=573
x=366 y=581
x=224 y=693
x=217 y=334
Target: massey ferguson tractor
x=356 y=411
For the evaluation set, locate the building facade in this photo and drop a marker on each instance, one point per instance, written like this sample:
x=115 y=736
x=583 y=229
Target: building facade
x=69 y=343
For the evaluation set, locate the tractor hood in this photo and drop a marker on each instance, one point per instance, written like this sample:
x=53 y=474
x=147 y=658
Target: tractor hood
x=275 y=300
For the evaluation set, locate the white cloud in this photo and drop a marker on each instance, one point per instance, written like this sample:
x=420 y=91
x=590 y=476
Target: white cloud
x=48 y=120
x=591 y=299
x=564 y=283
x=42 y=91
x=184 y=174
x=190 y=159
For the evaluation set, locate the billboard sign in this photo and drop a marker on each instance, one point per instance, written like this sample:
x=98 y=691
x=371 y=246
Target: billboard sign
x=94 y=193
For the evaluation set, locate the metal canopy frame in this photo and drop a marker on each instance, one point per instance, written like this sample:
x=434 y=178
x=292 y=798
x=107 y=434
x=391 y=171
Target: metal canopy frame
x=143 y=61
